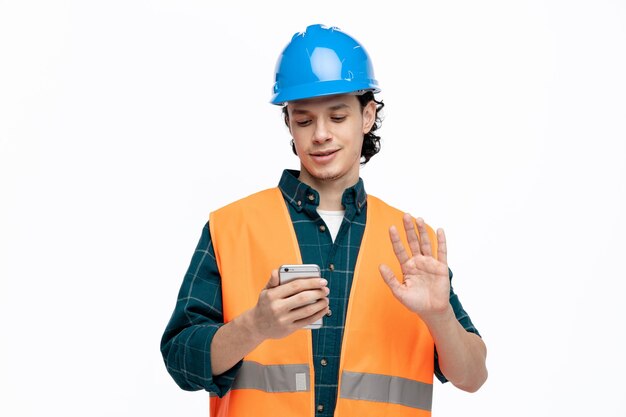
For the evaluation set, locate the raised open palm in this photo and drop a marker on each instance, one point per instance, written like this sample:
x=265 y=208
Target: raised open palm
x=425 y=285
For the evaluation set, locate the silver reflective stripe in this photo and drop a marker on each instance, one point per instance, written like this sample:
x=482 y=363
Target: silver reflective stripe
x=272 y=378
x=386 y=389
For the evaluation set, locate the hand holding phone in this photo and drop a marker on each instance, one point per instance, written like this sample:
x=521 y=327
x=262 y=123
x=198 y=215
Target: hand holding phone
x=287 y=273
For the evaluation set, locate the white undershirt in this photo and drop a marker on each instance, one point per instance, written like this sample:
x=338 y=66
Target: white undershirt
x=333 y=220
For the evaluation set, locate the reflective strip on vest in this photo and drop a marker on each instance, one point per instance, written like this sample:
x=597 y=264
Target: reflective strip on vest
x=272 y=378
x=386 y=389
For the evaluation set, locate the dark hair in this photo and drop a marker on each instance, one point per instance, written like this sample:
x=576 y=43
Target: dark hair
x=371 y=142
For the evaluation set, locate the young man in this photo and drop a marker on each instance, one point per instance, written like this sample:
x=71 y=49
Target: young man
x=390 y=317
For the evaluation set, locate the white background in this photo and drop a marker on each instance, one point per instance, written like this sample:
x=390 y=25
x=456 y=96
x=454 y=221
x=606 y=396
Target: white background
x=124 y=123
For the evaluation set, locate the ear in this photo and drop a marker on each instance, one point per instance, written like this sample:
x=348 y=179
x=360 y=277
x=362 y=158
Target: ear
x=369 y=116
x=286 y=118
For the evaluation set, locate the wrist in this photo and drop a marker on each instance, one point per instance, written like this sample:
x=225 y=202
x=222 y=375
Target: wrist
x=439 y=319
x=246 y=321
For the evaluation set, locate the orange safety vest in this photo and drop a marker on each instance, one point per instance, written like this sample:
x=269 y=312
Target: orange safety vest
x=387 y=353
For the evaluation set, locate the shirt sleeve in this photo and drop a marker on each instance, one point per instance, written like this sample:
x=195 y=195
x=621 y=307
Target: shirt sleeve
x=186 y=342
x=463 y=318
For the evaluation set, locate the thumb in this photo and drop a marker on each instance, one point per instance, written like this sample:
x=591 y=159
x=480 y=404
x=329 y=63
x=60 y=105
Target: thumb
x=389 y=277
x=274 y=281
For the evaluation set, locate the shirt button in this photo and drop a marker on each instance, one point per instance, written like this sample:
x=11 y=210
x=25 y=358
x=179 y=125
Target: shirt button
x=322 y=228
x=331 y=267
x=323 y=362
x=311 y=197
x=299 y=203
x=330 y=313
x=320 y=408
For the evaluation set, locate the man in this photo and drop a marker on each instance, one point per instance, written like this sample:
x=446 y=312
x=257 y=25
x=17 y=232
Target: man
x=390 y=317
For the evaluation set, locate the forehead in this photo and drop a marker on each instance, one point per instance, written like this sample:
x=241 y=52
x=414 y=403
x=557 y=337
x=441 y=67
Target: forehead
x=345 y=101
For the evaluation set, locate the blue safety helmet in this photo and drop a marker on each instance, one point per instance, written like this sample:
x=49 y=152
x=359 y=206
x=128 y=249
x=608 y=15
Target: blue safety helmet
x=322 y=61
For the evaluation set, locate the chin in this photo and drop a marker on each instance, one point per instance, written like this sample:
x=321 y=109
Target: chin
x=325 y=174
x=329 y=177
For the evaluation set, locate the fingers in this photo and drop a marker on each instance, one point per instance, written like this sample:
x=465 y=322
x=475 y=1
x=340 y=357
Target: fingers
x=424 y=239
x=390 y=278
x=289 y=297
x=274 y=280
x=304 y=305
x=398 y=246
x=297 y=293
x=299 y=285
x=310 y=313
x=419 y=240
x=442 y=249
x=305 y=298
x=411 y=234
x=280 y=306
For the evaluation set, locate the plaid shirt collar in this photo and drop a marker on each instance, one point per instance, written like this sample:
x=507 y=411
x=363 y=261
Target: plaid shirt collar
x=298 y=194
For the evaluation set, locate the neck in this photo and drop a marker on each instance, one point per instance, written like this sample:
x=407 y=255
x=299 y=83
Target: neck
x=330 y=190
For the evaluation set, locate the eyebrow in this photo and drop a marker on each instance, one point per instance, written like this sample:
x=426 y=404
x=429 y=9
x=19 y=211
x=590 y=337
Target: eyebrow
x=331 y=108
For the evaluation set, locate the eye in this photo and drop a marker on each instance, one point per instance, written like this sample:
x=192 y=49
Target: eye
x=303 y=123
x=338 y=119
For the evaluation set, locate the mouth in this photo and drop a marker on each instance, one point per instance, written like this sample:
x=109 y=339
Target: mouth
x=324 y=157
x=324 y=153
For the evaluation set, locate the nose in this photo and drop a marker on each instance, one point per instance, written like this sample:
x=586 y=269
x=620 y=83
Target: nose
x=322 y=133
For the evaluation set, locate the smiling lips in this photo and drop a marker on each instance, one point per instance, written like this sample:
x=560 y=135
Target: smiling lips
x=323 y=156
